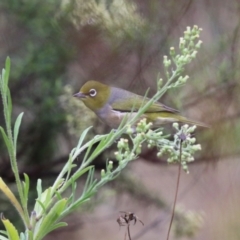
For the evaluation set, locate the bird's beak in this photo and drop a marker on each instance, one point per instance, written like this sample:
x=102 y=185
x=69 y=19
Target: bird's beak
x=79 y=95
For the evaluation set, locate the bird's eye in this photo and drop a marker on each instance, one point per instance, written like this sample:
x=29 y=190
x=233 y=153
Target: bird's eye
x=92 y=92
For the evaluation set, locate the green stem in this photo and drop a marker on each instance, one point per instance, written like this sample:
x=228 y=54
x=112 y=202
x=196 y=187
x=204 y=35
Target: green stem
x=12 y=150
x=13 y=161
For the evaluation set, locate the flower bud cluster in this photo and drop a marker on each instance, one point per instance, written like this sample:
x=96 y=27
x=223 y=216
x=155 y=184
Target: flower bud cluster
x=108 y=171
x=123 y=150
x=180 y=81
x=138 y=135
x=145 y=134
x=143 y=126
x=182 y=148
x=188 y=46
x=166 y=61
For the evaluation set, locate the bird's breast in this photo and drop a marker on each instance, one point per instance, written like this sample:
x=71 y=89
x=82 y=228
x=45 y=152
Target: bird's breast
x=114 y=118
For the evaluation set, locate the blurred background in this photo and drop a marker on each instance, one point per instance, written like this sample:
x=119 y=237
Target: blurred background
x=57 y=45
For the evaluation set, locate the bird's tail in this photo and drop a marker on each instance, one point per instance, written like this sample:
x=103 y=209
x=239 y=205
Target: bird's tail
x=167 y=117
x=192 y=122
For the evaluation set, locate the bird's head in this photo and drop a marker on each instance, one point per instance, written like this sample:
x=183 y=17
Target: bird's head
x=94 y=95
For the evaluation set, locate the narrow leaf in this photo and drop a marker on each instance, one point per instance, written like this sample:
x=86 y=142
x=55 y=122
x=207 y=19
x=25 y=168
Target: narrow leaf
x=48 y=221
x=9 y=104
x=3 y=238
x=74 y=187
x=79 y=173
x=26 y=186
x=6 y=140
x=43 y=200
x=41 y=205
x=25 y=236
x=11 y=230
x=6 y=75
x=87 y=154
x=39 y=187
x=75 y=176
x=16 y=129
x=9 y=194
x=30 y=235
x=3 y=233
x=59 y=197
x=3 y=83
x=89 y=180
x=83 y=135
x=58 y=225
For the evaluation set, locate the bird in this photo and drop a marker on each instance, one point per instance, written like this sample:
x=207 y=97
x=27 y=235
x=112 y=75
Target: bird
x=112 y=104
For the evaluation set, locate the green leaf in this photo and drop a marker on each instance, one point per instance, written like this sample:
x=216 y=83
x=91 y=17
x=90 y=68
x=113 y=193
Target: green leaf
x=89 y=181
x=83 y=135
x=27 y=236
x=79 y=173
x=103 y=144
x=58 y=225
x=10 y=228
x=22 y=236
x=6 y=75
x=26 y=186
x=87 y=153
x=9 y=194
x=59 y=197
x=3 y=238
x=16 y=129
x=9 y=104
x=74 y=187
x=6 y=140
x=30 y=235
x=41 y=204
x=39 y=187
x=43 y=200
x=3 y=232
x=5 y=78
x=85 y=197
x=3 y=83
x=46 y=196
x=48 y=221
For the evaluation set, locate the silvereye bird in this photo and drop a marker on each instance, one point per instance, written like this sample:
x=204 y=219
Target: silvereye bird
x=111 y=105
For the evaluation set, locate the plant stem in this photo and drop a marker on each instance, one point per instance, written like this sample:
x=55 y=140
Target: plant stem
x=12 y=151
x=177 y=187
x=128 y=230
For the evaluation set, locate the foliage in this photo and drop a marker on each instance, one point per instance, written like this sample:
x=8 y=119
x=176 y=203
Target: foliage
x=51 y=206
x=118 y=19
x=38 y=73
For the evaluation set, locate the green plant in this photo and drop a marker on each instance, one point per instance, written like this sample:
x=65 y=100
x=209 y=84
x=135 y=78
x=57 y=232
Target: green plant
x=51 y=206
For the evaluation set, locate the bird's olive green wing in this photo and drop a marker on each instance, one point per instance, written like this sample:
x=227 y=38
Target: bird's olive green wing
x=134 y=103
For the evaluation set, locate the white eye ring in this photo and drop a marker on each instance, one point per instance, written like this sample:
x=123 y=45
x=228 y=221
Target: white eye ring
x=92 y=92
